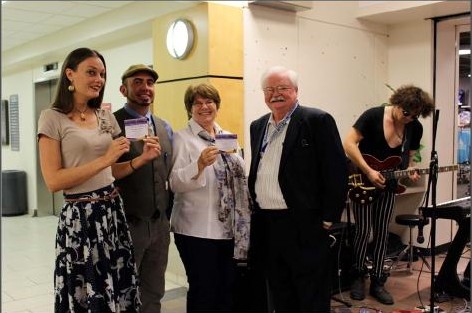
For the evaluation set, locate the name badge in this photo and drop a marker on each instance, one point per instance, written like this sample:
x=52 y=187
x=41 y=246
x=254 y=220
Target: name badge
x=227 y=143
x=136 y=129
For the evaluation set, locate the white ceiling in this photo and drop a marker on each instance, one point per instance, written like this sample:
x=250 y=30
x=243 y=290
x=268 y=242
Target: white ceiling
x=395 y=12
x=24 y=21
x=42 y=31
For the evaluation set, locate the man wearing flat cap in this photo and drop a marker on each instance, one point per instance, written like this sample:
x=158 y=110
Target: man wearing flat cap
x=146 y=195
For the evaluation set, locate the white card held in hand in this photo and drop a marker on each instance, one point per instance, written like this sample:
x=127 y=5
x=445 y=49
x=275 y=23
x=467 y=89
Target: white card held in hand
x=227 y=142
x=136 y=129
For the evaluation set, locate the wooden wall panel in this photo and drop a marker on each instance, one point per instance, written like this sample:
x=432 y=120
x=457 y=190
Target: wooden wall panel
x=217 y=58
x=225 y=42
x=196 y=63
x=231 y=114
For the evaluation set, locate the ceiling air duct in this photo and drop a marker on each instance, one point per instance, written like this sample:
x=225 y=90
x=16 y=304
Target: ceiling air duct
x=294 y=6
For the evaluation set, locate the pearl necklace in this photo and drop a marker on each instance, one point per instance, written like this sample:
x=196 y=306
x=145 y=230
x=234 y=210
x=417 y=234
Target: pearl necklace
x=82 y=113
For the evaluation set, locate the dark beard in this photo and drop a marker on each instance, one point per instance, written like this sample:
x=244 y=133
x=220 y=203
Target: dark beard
x=143 y=104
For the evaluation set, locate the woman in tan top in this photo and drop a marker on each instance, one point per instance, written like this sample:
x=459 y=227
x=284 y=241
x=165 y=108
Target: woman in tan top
x=95 y=269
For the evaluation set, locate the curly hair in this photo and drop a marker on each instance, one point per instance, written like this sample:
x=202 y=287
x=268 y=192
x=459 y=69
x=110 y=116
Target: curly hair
x=413 y=99
x=204 y=90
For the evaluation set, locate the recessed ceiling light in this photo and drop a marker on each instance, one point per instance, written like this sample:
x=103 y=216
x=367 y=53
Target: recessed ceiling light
x=464 y=51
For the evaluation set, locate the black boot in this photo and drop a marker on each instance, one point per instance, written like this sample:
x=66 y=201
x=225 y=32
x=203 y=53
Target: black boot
x=378 y=291
x=358 y=285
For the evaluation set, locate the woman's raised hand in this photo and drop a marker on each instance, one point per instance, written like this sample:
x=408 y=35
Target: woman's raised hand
x=117 y=148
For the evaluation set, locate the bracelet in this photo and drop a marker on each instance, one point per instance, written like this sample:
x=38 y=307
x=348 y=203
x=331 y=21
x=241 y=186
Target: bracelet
x=131 y=165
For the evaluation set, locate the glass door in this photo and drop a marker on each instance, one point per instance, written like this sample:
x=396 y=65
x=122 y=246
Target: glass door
x=463 y=103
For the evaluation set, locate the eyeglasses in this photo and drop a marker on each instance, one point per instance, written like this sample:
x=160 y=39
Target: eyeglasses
x=409 y=114
x=280 y=89
x=200 y=104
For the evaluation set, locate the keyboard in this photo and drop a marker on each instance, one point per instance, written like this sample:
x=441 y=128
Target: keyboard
x=455 y=209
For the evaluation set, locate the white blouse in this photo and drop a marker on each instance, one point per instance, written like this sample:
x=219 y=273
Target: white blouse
x=196 y=201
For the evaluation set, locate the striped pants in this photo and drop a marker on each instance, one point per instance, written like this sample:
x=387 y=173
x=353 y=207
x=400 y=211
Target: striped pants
x=374 y=217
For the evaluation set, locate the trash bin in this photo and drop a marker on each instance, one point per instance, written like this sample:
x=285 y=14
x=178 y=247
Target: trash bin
x=14 y=197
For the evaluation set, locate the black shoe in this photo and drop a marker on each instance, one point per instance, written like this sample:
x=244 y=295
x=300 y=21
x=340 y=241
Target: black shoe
x=378 y=291
x=358 y=288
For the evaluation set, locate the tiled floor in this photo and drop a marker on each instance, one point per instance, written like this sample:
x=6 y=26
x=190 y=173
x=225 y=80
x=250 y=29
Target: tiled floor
x=28 y=264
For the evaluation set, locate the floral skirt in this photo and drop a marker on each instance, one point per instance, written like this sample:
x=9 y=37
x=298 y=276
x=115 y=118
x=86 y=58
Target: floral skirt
x=95 y=268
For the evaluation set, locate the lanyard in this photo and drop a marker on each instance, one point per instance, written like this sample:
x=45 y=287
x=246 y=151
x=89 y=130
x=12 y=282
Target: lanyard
x=277 y=130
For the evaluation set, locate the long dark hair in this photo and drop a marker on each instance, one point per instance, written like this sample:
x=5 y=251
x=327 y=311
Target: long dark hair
x=64 y=98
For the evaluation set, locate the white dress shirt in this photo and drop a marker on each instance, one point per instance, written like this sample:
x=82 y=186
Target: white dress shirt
x=268 y=192
x=196 y=202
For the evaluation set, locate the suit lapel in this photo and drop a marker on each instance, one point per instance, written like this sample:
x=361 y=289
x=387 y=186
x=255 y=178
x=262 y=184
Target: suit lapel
x=256 y=147
x=291 y=136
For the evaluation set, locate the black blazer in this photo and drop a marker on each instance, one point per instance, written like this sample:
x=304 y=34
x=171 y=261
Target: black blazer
x=313 y=172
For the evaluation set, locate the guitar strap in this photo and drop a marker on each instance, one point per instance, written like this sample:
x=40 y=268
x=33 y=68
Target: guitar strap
x=406 y=147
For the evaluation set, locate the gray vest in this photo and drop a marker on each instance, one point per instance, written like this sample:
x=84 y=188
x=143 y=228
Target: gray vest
x=146 y=193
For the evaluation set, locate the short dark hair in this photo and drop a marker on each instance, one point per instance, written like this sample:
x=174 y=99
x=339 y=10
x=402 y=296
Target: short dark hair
x=64 y=98
x=204 y=90
x=413 y=99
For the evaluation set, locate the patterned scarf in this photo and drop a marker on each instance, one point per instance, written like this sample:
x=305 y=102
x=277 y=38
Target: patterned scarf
x=235 y=202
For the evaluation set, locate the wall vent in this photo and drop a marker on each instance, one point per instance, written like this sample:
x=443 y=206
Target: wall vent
x=50 y=67
x=294 y=6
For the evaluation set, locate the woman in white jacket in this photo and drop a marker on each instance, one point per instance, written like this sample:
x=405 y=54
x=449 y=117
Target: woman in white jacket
x=211 y=214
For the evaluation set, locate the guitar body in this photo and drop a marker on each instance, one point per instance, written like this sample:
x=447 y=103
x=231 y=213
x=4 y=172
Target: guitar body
x=363 y=191
x=386 y=166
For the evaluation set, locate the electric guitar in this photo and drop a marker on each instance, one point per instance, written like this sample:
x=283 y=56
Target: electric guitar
x=363 y=192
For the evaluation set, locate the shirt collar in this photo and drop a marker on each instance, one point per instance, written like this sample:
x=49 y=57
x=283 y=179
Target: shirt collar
x=136 y=114
x=287 y=116
x=195 y=128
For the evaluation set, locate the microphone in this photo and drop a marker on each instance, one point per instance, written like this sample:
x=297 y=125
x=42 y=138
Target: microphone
x=420 y=238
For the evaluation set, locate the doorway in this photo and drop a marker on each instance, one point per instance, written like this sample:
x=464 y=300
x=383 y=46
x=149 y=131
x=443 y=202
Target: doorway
x=452 y=98
x=464 y=112
x=48 y=203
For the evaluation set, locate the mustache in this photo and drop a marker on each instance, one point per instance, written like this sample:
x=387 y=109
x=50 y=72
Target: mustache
x=277 y=99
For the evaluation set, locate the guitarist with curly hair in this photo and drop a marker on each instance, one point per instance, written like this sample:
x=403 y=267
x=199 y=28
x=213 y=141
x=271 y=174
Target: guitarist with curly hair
x=383 y=136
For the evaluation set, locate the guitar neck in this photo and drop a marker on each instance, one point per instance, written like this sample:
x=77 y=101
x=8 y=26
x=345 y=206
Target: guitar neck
x=421 y=171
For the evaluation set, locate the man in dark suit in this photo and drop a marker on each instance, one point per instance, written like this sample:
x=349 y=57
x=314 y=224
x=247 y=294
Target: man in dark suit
x=146 y=194
x=298 y=179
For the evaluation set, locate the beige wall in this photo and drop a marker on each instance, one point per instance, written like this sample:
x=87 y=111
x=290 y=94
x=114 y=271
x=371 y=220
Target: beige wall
x=342 y=63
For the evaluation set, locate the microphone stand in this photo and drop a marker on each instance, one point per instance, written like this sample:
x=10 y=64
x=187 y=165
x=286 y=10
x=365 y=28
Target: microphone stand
x=333 y=297
x=432 y=182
